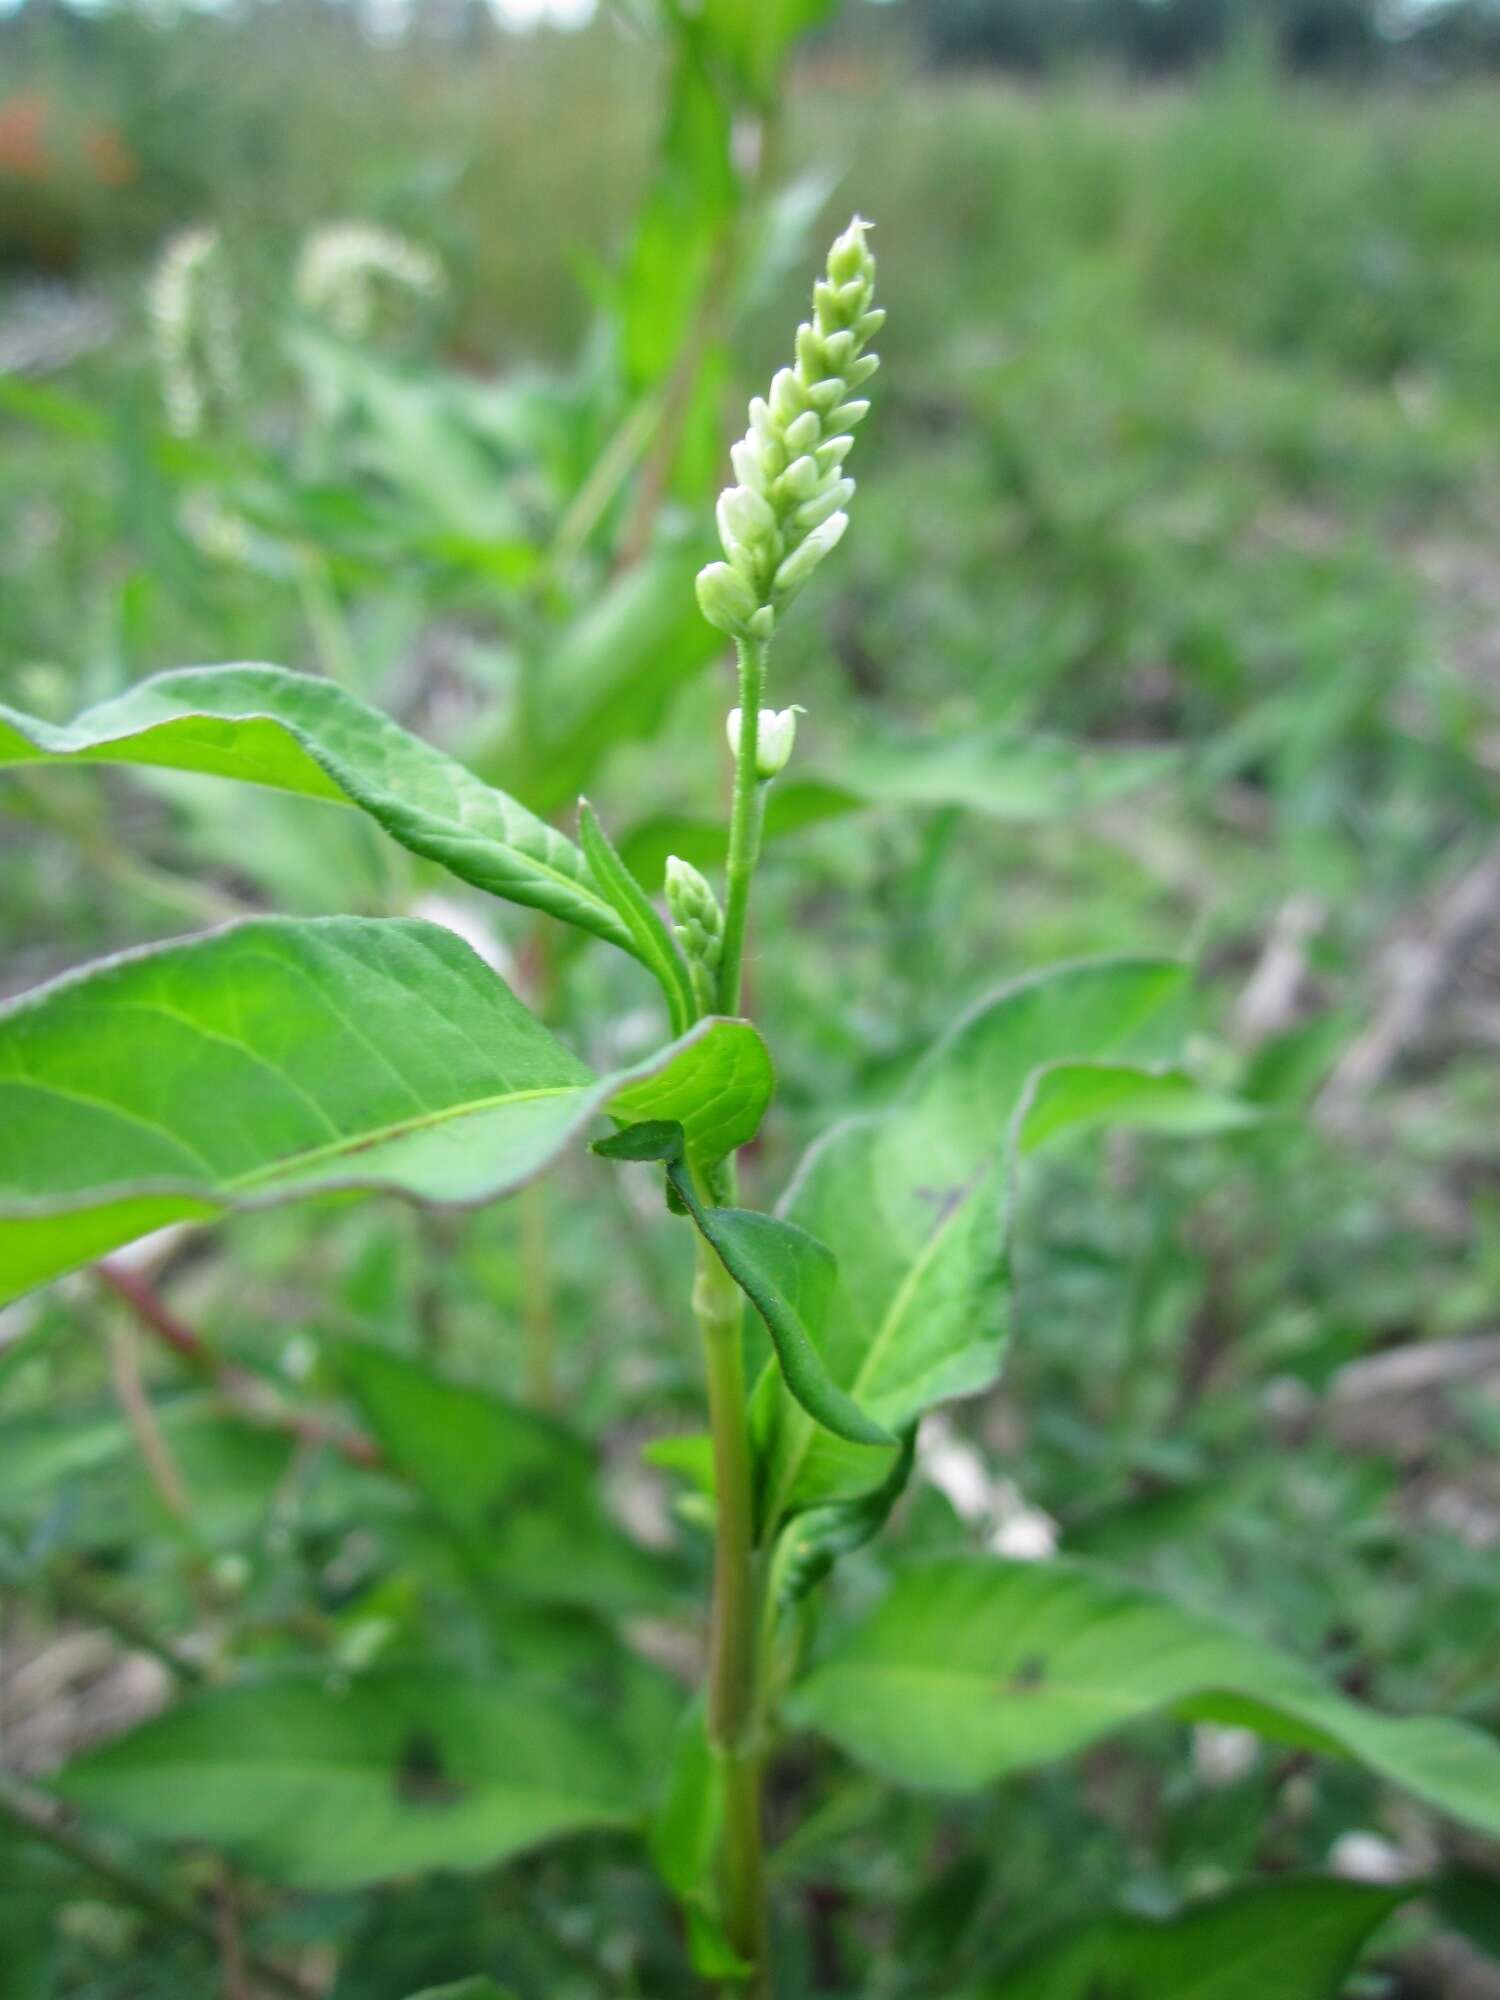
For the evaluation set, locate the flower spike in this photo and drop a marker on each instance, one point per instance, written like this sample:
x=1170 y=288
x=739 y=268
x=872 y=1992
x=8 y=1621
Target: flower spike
x=788 y=508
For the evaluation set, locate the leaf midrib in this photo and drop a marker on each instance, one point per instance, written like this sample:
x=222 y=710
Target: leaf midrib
x=294 y=1162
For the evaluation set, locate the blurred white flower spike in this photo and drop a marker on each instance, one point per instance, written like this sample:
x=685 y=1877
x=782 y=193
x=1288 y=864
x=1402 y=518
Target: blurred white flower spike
x=195 y=333
x=343 y=266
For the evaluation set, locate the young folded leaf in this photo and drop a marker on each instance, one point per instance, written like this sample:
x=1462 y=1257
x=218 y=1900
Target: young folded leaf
x=278 y=1059
x=786 y=1274
x=652 y=942
x=973 y=1668
x=298 y=733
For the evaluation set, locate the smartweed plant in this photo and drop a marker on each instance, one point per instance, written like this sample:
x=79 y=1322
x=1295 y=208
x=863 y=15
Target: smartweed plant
x=282 y=1059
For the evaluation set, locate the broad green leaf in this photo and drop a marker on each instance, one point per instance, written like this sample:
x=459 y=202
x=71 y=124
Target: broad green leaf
x=1019 y=780
x=1294 y=1939
x=301 y=734
x=278 y=1059
x=971 y=1669
x=911 y=1202
x=331 y=1782
x=517 y=1491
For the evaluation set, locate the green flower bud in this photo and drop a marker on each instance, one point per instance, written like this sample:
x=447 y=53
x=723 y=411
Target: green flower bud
x=800 y=480
x=787 y=508
x=725 y=598
x=802 y=435
x=697 y=925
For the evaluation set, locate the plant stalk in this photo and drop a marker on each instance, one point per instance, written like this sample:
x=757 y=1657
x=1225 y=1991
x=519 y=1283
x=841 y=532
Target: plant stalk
x=746 y=816
x=733 y=1695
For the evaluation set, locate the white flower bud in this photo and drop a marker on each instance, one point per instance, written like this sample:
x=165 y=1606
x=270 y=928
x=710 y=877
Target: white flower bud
x=801 y=563
x=745 y=517
x=818 y=510
x=775 y=736
x=748 y=460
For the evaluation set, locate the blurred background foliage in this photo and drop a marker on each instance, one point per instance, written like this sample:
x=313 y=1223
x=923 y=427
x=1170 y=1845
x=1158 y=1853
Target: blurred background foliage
x=1169 y=619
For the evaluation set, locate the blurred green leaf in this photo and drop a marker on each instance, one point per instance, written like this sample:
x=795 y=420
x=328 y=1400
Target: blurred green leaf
x=466 y=1989
x=518 y=1491
x=682 y=228
x=1296 y=1939
x=607 y=679
x=973 y=1668
x=1018 y=780
x=685 y=1831
x=332 y=1781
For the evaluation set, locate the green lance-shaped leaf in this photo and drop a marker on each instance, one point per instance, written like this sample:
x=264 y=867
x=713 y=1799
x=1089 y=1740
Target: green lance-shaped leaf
x=912 y=1201
x=278 y=1059
x=974 y=1668
x=651 y=941
x=786 y=1274
x=328 y=1782
x=1296 y=1939
x=301 y=734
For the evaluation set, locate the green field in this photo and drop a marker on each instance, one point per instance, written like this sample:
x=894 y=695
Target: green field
x=1168 y=621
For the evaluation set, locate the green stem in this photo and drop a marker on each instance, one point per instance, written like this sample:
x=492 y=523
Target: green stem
x=744 y=825
x=733 y=1697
